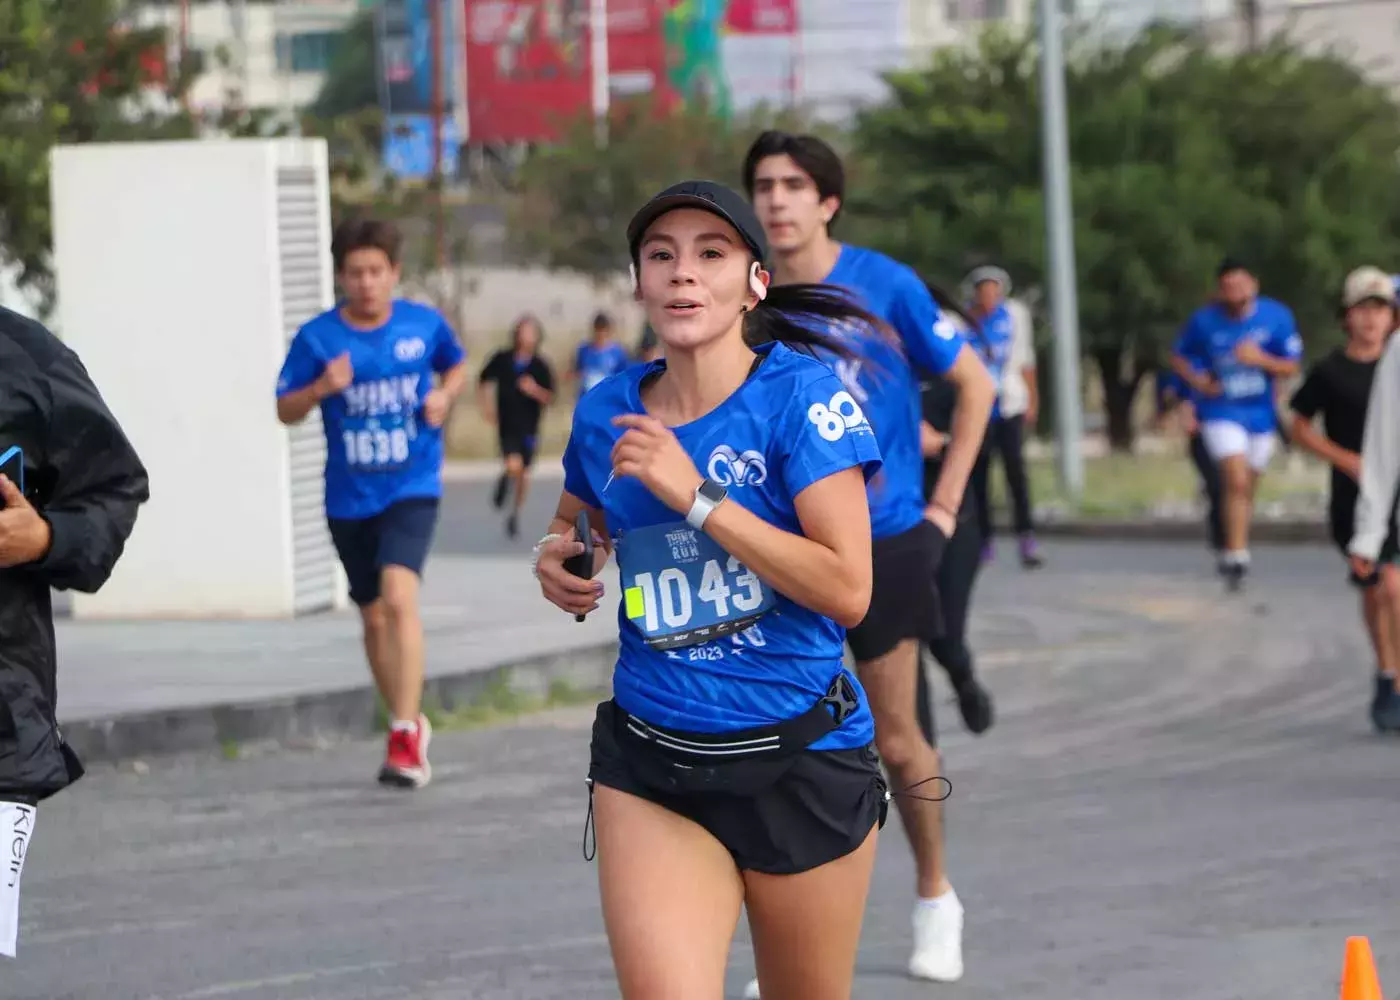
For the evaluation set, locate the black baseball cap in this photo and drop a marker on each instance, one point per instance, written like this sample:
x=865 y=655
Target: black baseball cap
x=708 y=196
x=1232 y=263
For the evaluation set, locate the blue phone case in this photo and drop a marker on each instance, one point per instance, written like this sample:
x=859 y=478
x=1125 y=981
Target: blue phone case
x=12 y=466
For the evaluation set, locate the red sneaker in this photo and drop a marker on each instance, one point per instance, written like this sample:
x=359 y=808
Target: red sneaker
x=406 y=762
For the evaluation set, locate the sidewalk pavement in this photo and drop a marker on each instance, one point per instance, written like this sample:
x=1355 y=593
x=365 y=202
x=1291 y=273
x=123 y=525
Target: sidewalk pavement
x=133 y=688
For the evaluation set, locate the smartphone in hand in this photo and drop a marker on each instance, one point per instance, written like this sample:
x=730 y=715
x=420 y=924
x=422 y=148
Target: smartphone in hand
x=12 y=467
x=581 y=565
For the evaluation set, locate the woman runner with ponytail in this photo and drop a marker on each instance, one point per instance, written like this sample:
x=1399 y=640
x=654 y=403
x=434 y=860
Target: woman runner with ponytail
x=734 y=765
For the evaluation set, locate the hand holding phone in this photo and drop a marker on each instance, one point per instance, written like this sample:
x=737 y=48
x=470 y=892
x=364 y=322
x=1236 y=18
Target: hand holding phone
x=581 y=565
x=12 y=468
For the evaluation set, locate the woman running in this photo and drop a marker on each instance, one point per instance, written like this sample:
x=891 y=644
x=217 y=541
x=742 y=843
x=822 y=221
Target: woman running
x=1339 y=388
x=957 y=573
x=734 y=765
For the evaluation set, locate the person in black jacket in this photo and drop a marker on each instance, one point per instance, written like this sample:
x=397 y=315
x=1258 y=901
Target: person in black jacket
x=82 y=486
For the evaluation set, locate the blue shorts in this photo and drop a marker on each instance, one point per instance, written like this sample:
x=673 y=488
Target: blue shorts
x=399 y=535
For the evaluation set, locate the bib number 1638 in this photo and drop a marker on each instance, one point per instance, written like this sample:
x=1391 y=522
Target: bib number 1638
x=667 y=596
x=376 y=447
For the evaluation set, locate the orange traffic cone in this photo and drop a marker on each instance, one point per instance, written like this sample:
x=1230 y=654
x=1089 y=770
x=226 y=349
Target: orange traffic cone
x=1359 y=979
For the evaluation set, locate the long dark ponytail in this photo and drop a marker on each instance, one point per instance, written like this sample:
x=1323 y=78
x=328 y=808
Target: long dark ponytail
x=797 y=314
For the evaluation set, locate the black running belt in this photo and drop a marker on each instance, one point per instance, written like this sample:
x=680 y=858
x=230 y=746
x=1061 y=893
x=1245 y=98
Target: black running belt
x=779 y=740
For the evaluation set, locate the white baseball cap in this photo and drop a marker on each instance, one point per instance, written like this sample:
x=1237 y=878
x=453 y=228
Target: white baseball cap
x=1368 y=283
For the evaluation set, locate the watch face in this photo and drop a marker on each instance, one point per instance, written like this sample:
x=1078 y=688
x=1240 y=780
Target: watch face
x=712 y=491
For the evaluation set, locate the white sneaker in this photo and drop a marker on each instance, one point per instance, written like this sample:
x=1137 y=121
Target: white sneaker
x=751 y=991
x=938 y=940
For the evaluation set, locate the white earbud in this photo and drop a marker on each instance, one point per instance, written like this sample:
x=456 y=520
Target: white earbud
x=632 y=270
x=755 y=285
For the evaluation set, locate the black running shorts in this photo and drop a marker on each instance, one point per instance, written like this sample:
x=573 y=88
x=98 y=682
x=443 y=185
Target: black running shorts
x=904 y=597
x=1342 y=521
x=399 y=535
x=778 y=817
x=519 y=443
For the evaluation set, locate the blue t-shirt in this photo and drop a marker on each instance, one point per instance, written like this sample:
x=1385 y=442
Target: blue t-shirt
x=788 y=426
x=993 y=346
x=1169 y=381
x=379 y=450
x=594 y=363
x=1208 y=343
x=883 y=381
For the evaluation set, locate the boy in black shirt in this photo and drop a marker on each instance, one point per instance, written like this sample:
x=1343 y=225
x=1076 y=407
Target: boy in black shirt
x=524 y=387
x=1339 y=387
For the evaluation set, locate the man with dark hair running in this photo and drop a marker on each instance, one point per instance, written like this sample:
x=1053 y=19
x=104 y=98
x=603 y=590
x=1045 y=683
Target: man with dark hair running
x=369 y=365
x=524 y=387
x=1230 y=352
x=797 y=184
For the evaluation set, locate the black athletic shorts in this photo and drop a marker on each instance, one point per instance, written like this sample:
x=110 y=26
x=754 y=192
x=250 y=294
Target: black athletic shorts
x=1342 y=521
x=399 y=535
x=904 y=600
x=519 y=443
x=778 y=817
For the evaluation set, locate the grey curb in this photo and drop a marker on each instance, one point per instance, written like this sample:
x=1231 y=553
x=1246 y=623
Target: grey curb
x=316 y=719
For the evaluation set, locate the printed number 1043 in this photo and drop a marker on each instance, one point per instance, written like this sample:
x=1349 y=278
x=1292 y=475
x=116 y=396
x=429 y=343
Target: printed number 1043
x=667 y=597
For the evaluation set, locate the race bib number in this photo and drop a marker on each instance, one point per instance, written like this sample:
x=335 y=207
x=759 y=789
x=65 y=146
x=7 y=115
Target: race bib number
x=681 y=589
x=378 y=444
x=1243 y=384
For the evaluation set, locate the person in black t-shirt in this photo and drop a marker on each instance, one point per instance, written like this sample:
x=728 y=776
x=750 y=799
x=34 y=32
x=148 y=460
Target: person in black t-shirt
x=524 y=387
x=1339 y=387
x=962 y=559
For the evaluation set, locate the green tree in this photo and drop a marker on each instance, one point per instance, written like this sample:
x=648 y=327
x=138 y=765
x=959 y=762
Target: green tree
x=1180 y=155
x=69 y=72
x=574 y=198
x=351 y=79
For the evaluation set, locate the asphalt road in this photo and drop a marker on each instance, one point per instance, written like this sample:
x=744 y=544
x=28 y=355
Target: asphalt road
x=469 y=526
x=1180 y=799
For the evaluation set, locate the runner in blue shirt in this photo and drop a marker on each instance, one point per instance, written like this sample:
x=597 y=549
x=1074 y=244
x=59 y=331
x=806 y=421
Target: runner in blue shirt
x=736 y=751
x=1003 y=341
x=797 y=184
x=369 y=364
x=1230 y=352
x=599 y=357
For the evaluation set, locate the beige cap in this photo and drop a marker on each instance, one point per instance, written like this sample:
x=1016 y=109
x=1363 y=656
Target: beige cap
x=1367 y=283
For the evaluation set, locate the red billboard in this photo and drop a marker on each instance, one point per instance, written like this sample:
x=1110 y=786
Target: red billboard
x=762 y=17
x=529 y=69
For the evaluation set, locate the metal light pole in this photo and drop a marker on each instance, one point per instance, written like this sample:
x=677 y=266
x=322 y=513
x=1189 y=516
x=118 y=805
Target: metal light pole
x=598 y=58
x=1059 y=230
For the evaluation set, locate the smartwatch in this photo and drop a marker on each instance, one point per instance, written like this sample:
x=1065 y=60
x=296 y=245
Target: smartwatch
x=708 y=495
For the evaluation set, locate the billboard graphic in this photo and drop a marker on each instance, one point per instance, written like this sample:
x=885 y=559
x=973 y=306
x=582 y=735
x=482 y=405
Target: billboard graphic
x=528 y=63
x=733 y=53
x=408 y=146
x=529 y=66
x=404 y=43
x=404 y=32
